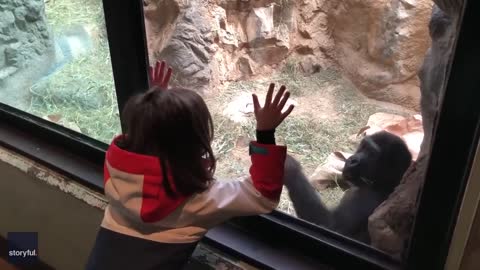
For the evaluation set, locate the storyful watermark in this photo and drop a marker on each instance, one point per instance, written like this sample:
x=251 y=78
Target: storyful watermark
x=22 y=247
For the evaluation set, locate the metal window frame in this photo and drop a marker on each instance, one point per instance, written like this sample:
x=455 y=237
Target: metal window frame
x=439 y=202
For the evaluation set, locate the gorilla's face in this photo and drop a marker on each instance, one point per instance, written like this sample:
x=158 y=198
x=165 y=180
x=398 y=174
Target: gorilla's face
x=360 y=168
x=380 y=161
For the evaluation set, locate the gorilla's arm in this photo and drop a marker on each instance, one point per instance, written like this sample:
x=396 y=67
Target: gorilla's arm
x=305 y=199
x=349 y=218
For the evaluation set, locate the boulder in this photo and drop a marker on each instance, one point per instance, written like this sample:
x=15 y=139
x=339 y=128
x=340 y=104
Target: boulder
x=311 y=64
x=313 y=43
x=268 y=43
x=244 y=66
x=225 y=31
x=409 y=129
x=259 y=25
x=27 y=50
x=186 y=45
x=24 y=36
x=160 y=18
x=390 y=225
x=381 y=43
x=251 y=37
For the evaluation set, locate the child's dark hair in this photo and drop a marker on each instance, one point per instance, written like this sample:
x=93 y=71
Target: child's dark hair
x=176 y=126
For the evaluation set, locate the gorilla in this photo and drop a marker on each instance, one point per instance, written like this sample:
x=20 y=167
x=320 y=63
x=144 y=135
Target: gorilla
x=372 y=173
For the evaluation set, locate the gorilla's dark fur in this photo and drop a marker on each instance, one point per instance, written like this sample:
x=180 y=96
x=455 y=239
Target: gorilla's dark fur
x=373 y=172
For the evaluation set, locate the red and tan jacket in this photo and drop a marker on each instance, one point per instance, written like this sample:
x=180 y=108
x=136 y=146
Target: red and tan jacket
x=138 y=205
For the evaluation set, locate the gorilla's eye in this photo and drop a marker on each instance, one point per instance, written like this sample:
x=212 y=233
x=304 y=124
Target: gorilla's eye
x=366 y=180
x=372 y=145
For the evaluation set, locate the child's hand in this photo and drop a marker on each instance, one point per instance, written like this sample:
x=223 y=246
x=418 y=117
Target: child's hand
x=270 y=116
x=158 y=76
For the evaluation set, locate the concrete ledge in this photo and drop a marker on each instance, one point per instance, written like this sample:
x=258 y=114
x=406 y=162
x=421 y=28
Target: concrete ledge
x=52 y=178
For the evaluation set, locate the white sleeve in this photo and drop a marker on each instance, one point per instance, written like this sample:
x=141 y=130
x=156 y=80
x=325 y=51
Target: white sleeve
x=227 y=199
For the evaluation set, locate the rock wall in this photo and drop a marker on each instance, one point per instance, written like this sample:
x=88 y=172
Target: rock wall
x=378 y=44
x=391 y=223
x=178 y=32
x=210 y=42
x=26 y=49
x=24 y=35
x=252 y=37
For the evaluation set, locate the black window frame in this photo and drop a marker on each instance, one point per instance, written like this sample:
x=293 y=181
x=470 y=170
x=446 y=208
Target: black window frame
x=439 y=202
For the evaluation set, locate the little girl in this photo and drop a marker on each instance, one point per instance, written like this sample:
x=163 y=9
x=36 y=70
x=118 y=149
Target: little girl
x=159 y=178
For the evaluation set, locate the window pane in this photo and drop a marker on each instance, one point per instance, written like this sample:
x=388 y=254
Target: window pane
x=55 y=64
x=350 y=75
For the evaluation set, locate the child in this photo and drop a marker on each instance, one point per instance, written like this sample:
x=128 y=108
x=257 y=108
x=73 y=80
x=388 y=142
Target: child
x=159 y=178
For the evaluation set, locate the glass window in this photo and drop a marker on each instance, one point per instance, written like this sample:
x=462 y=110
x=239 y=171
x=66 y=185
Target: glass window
x=55 y=64
x=350 y=76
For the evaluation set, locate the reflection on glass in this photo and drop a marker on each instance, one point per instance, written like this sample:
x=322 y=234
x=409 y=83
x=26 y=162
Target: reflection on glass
x=55 y=64
x=349 y=74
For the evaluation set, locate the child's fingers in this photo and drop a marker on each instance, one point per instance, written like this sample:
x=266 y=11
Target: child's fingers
x=268 y=98
x=284 y=100
x=151 y=73
x=289 y=110
x=279 y=95
x=160 y=71
x=256 y=104
x=166 y=80
x=156 y=69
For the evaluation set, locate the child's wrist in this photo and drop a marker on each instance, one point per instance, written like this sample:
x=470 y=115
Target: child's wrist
x=266 y=136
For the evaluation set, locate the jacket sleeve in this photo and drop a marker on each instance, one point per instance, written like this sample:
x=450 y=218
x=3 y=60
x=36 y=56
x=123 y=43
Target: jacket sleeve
x=257 y=194
x=267 y=168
